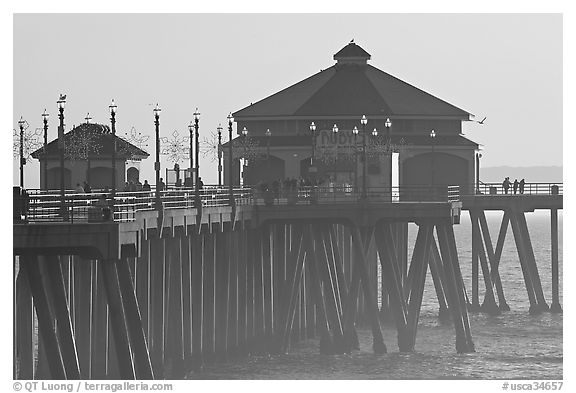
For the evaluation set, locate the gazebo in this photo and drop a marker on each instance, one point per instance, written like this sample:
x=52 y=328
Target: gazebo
x=87 y=157
x=335 y=99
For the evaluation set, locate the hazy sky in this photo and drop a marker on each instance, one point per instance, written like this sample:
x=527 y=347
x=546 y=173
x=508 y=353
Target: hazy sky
x=506 y=67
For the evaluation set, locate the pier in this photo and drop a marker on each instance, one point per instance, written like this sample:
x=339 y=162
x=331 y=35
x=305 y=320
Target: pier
x=305 y=236
x=155 y=293
x=491 y=197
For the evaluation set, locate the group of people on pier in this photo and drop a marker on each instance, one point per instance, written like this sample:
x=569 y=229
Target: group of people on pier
x=517 y=186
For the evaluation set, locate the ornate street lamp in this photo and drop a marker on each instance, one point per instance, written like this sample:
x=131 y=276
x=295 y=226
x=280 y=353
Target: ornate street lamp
x=113 y=108
x=374 y=132
x=157 y=111
x=21 y=123
x=364 y=121
x=335 y=129
x=388 y=125
x=61 y=104
x=219 y=130
x=191 y=140
x=355 y=133
x=478 y=157
x=245 y=163
x=433 y=139
x=268 y=135
x=230 y=189
x=196 y=127
x=312 y=131
x=45 y=116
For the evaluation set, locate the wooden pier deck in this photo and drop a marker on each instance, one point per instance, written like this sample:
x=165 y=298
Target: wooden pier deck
x=157 y=292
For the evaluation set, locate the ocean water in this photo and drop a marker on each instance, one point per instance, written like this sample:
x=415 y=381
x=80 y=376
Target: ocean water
x=513 y=345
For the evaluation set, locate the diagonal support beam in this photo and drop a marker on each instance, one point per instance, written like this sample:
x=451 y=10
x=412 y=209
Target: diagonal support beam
x=361 y=245
x=522 y=255
x=292 y=288
x=457 y=303
x=420 y=262
x=532 y=262
x=489 y=304
x=142 y=363
x=494 y=273
x=117 y=319
x=438 y=278
x=53 y=269
x=392 y=275
x=322 y=269
x=31 y=270
x=326 y=342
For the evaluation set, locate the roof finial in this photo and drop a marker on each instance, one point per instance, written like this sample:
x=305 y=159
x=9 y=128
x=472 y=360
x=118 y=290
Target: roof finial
x=352 y=54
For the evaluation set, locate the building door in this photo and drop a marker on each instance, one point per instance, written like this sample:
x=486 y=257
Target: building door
x=266 y=170
x=436 y=171
x=54 y=178
x=100 y=177
x=132 y=175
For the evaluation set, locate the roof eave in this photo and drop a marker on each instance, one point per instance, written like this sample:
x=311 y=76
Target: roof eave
x=464 y=117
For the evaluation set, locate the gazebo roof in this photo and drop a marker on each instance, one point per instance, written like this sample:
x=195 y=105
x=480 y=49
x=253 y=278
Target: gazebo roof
x=352 y=87
x=98 y=141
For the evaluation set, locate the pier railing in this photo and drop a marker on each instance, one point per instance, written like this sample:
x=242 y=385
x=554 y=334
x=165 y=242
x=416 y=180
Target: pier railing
x=97 y=206
x=528 y=189
x=347 y=194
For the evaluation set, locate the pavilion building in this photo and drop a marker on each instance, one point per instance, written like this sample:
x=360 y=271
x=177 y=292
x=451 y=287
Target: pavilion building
x=88 y=157
x=403 y=154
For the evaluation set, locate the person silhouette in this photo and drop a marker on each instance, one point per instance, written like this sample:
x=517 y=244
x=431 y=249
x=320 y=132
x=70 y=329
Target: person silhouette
x=506 y=185
x=515 y=185
x=521 y=185
x=160 y=186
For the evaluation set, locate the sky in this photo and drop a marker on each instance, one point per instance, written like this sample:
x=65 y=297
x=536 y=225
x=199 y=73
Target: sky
x=506 y=67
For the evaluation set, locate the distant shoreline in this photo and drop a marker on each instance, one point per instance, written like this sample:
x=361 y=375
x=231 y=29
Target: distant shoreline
x=532 y=174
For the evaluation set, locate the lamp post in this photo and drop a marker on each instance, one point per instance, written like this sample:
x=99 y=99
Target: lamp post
x=245 y=163
x=364 y=121
x=113 y=108
x=219 y=130
x=197 y=140
x=478 y=157
x=268 y=135
x=61 y=104
x=157 y=111
x=312 y=131
x=45 y=116
x=21 y=123
x=230 y=189
x=433 y=139
x=388 y=125
x=191 y=139
x=355 y=133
